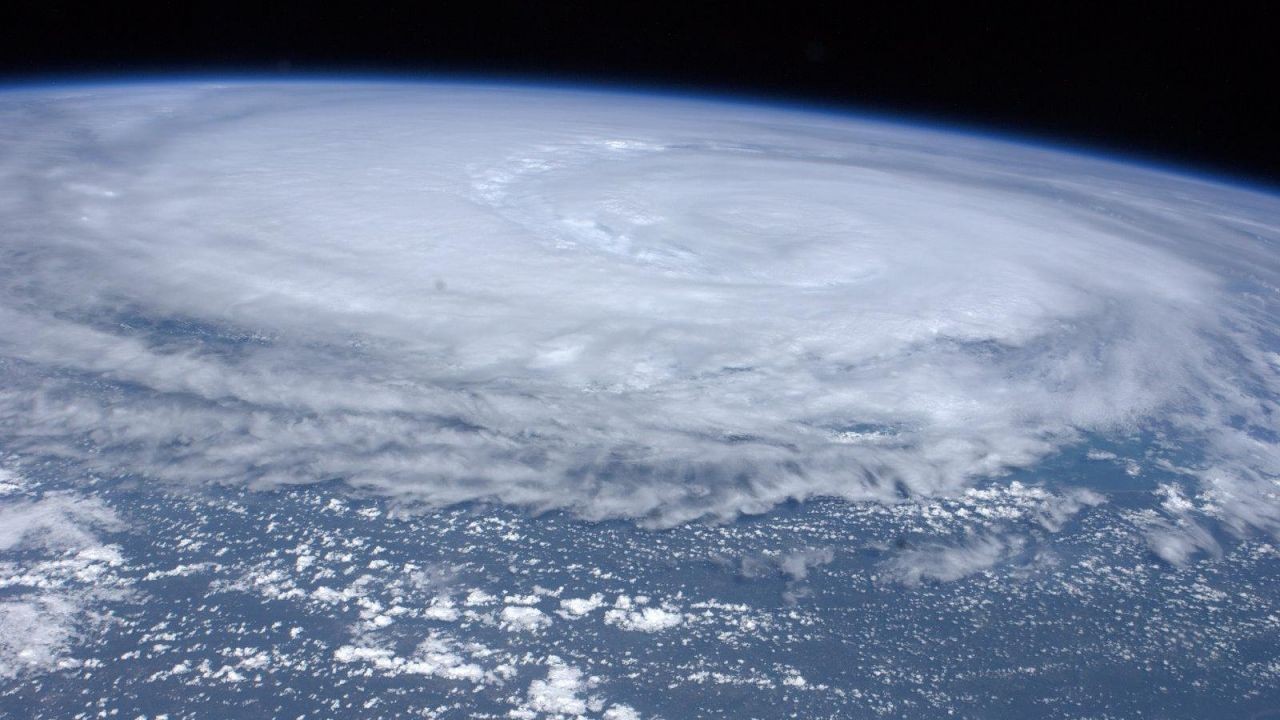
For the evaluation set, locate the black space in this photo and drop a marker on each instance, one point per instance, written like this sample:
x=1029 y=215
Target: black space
x=1189 y=84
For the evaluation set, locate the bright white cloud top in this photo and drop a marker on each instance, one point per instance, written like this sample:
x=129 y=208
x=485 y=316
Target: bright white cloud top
x=619 y=305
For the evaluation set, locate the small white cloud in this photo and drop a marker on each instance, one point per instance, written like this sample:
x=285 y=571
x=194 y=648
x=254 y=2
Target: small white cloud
x=573 y=608
x=442 y=609
x=521 y=618
x=479 y=598
x=621 y=712
x=649 y=619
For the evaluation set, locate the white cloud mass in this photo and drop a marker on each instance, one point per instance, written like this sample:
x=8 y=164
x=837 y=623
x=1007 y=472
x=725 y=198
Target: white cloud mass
x=622 y=306
x=54 y=570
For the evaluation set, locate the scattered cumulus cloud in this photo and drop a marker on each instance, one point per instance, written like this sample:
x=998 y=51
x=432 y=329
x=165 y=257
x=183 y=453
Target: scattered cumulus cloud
x=567 y=692
x=633 y=615
x=55 y=572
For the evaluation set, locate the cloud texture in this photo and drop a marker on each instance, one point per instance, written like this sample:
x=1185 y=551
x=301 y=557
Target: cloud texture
x=621 y=306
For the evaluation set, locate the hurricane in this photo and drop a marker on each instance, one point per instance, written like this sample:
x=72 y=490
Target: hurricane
x=571 y=308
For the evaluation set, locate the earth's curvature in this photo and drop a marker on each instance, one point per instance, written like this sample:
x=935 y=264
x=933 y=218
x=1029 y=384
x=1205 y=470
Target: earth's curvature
x=360 y=399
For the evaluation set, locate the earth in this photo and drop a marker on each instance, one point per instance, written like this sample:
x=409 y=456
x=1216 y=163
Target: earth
x=386 y=399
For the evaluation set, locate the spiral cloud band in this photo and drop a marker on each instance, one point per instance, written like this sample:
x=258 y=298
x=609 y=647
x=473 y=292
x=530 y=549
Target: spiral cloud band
x=617 y=305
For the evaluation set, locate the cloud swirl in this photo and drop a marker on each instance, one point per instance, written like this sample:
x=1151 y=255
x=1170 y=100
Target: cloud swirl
x=618 y=305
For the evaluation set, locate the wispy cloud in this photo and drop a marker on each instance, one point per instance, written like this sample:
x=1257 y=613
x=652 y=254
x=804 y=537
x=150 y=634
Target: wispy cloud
x=946 y=563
